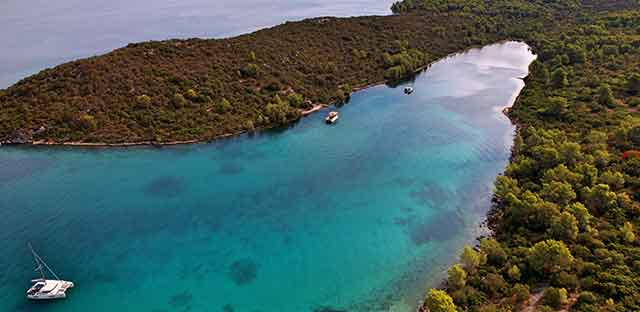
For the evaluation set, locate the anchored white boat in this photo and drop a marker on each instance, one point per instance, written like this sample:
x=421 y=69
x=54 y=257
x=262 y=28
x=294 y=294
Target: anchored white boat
x=332 y=117
x=43 y=288
x=408 y=90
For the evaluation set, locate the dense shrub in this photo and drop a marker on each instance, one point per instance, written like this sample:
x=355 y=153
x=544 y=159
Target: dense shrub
x=555 y=297
x=249 y=71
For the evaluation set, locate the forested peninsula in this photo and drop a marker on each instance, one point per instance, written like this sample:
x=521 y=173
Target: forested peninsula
x=195 y=89
x=565 y=213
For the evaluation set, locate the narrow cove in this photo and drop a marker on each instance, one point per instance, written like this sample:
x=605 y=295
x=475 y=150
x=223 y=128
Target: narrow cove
x=359 y=216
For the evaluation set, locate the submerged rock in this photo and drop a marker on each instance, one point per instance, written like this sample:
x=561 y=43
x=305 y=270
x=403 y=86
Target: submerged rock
x=243 y=271
x=181 y=299
x=166 y=186
x=230 y=169
x=442 y=227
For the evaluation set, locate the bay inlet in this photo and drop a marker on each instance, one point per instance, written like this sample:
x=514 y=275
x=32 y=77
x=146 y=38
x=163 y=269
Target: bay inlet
x=362 y=215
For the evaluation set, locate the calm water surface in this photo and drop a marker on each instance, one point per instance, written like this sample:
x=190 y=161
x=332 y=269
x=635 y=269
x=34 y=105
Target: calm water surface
x=360 y=216
x=40 y=33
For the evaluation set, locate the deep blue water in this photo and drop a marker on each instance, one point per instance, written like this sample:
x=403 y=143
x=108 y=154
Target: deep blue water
x=362 y=215
x=41 y=33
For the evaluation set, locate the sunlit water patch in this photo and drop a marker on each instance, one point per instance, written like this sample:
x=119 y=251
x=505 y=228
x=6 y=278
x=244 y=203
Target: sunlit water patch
x=358 y=216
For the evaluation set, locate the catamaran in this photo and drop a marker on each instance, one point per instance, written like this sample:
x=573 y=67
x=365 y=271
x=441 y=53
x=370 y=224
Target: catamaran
x=43 y=288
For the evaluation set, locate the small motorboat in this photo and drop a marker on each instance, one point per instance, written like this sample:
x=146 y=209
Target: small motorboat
x=46 y=289
x=332 y=117
x=408 y=90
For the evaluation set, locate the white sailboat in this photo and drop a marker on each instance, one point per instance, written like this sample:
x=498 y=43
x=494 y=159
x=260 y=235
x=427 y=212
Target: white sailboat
x=43 y=288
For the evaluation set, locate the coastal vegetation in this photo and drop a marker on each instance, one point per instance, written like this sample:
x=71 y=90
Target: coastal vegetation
x=566 y=211
x=188 y=90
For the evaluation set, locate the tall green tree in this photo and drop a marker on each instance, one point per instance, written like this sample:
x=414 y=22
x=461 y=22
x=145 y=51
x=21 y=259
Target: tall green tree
x=605 y=96
x=628 y=233
x=496 y=255
x=555 y=297
x=471 y=259
x=565 y=227
x=560 y=193
x=600 y=198
x=559 y=78
x=439 y=301
x=582 y=215
x=550 y=256
x=633 y=83
x=539 y=72
x=456 y=277
x=556 y=107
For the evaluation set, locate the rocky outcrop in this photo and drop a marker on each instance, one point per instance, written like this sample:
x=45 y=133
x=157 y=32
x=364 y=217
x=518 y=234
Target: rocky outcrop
x=20 y=136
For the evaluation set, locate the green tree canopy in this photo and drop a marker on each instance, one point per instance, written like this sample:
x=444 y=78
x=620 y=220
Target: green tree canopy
x=605 y=96
x=633 y=83
x=561 y=174
x=576 y=53
x=555 y=297
x=615 y=180
x=634 y=136
x=521 y=293
x=439 y=301
x=582 y=215
x=550 y=256
x=559 y=78
x=546 y=156
x=514 y=273
x=565 y=227
x=456 y=277
x=627 y=232
x=556 y=107
x=495 y=254
x=470 y=259
x=179 y=101
x=600 y=198
x=505 y=185
x=570 y=153
x=560 y=193
x=223 y=106
x=539 y=72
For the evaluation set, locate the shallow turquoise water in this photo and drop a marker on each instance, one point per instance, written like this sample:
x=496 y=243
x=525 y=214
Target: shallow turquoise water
x=360 y=216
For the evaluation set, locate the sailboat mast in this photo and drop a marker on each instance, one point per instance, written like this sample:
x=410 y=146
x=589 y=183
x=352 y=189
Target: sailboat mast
x=38 y=265
x=41 y=263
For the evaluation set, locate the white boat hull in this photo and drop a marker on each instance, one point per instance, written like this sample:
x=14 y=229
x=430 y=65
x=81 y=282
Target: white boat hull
x=49 y=289
x=331 y=120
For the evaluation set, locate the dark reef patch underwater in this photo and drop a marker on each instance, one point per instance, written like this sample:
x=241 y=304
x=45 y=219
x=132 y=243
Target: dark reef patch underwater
x=243 y=271
x=180 y=300
x=165 y=187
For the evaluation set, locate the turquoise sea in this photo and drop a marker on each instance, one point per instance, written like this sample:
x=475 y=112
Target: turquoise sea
x=362 y=215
